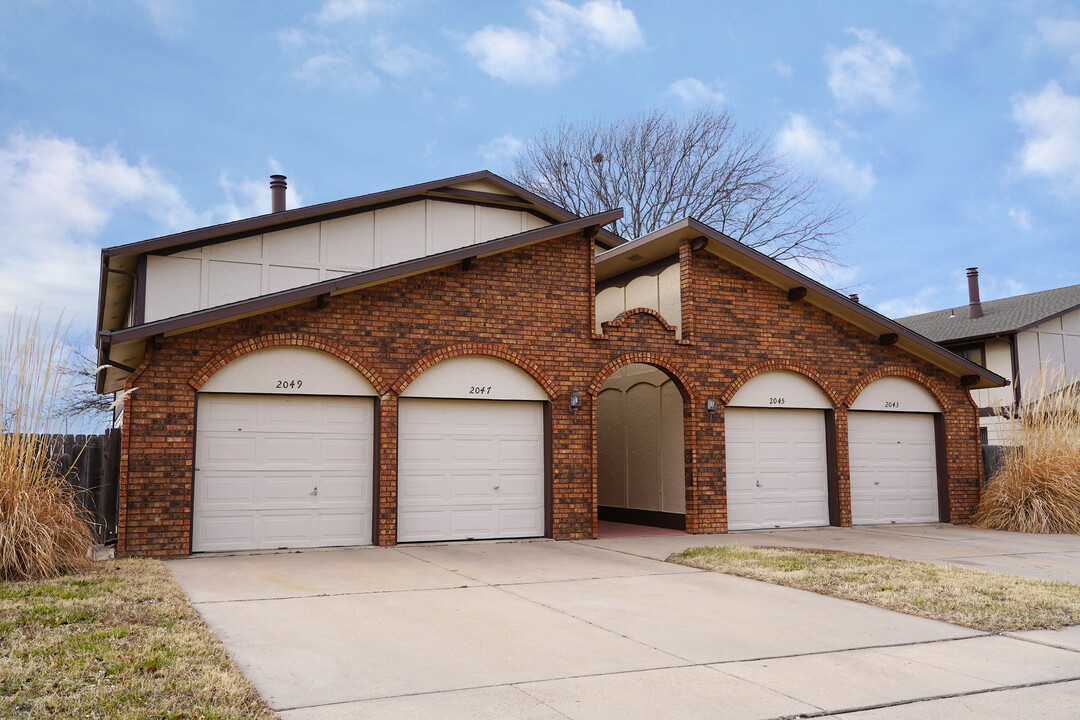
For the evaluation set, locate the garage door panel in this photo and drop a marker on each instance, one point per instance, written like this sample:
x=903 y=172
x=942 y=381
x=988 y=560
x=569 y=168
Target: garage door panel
x=260 y=458
x=464 y=464
x=893 y=467
x=776 y=468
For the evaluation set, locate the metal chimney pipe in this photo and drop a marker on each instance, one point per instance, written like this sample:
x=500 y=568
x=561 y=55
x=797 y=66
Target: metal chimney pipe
x=974 y=304
x=854 y=297
x=277 y=193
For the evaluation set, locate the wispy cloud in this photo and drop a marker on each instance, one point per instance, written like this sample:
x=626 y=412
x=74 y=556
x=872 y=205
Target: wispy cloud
x=59 y=196
x=170 y=17
x=1063 y=36
x=923 y=301
x=694 y=92
x=811 y=149
x=1021 y=217
x=562 y=36
x=500 y=151
x=871 y=74
x=783 y=69
x=1049 y=122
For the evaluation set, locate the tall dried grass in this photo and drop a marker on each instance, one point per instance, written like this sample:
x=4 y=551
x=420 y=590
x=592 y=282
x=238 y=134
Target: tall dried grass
x=1038 y=488
x=43 y=529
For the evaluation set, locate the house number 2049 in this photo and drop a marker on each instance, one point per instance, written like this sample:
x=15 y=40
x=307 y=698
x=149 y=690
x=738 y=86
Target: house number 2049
x=289 y=384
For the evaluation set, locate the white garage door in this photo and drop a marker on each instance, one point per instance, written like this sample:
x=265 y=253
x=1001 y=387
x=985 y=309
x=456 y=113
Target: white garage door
x=469 y=469
x=893 y=467
x=282 y=471
x=777 y=469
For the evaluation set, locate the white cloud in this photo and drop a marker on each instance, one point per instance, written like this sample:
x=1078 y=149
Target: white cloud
x=809 y=148
x=1062 y=36
x=501 y=150
x=398 y=60
x=169 y=16
x=57 y=198
x=335 y=68
x=1050 y=124
x=335 y=11
x=838 y=277
x=1022 y=218
x=871 y=73
x=548 y=53
x=694 y=92
x=922 y=302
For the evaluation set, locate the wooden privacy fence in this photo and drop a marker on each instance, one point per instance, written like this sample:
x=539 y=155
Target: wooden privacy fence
x=91 y=463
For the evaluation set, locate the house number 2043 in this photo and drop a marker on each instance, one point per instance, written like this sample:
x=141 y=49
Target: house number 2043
x=474 y=390
x=289 y=384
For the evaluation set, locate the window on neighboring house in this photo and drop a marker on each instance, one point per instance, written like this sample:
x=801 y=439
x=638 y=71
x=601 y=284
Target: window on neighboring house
x=984 y=436
x=972 y=353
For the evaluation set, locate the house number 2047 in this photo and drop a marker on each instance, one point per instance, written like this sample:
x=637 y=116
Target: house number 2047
x=474 y=390
x=289 y=384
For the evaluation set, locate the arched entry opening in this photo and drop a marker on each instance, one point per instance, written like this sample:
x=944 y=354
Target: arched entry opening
x=641 y=467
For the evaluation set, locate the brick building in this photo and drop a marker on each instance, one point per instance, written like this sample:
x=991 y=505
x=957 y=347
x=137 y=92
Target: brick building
x=461 y=359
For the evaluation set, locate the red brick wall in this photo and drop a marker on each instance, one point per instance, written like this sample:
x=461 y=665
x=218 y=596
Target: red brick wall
x=532 y=306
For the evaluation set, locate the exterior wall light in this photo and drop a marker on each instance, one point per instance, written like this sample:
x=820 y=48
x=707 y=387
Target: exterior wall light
x=575 y=401
x=711 y=406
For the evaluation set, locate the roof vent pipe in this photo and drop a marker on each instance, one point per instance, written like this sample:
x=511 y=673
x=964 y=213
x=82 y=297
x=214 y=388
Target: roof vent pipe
x=854 y=297
x=277 y=193
x=974 y=305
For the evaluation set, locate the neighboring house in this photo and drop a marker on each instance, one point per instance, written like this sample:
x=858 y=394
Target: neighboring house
x=1014 y=337
x=462 y=359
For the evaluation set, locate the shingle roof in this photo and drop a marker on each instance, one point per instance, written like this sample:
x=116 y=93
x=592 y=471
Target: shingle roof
x=1006 y=315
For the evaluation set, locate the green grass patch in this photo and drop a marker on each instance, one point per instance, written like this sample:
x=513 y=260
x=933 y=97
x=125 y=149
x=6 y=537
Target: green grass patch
x=973 y=599
x=117 y=641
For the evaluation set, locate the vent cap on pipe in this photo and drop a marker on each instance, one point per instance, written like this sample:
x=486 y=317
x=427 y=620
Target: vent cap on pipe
x=974 y=304
x=277 y=193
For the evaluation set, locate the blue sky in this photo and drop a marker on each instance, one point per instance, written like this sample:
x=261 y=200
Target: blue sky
x=950 y=128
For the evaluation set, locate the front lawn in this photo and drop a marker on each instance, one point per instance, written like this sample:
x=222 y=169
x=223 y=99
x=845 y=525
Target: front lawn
x=973 y=599
x=117 y=641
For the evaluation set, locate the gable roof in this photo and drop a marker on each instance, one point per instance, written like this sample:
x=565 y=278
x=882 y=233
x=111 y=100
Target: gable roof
x=122 y=349
x=1000 y=317
x=665 y=242
x=119 y=262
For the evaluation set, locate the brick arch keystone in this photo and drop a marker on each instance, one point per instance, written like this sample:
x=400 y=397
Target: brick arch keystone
x=645 y=358
x=899 y=371
x=284 y=339
x=771 y=365
x=476 y=348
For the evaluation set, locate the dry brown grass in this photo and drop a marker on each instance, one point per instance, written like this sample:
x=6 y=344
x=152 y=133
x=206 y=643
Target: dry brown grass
x=43 y=530
x=118 y=641
x=978 y=600
x=1038 y=488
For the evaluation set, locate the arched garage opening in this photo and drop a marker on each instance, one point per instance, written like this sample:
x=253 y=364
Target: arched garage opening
x=283 y=453
x=895 y=443
x=780 y=458
x=641 y=467
x=473 y=460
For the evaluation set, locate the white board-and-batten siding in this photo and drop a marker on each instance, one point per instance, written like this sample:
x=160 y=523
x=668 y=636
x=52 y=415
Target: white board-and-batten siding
x=248 y=267
x=660 y=292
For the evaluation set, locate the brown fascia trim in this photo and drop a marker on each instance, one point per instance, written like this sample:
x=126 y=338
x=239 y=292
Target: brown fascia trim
x=1056 y=315
x=802 y=280
x=350 y=282
x=346 y=206
x=654 y=268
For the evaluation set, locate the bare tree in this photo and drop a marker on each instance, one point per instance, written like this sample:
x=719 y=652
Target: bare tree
x=661 y=168
x=80 y=401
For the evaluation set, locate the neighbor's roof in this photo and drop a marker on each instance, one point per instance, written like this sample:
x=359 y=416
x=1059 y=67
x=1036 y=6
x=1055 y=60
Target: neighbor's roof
x=1000 y=317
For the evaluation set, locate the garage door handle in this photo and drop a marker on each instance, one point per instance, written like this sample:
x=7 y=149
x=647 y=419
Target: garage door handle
x=496 y=487
x=877 y=482
x=314 y=492
x=758 y=483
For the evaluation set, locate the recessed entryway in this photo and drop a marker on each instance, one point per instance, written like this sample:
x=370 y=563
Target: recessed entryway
x=641 y=466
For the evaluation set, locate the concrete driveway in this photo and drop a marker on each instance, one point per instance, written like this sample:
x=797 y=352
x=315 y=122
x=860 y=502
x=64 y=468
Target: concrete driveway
x=605 y=629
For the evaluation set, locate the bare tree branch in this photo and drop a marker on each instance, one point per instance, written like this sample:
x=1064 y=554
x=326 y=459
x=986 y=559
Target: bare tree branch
x=661 y=168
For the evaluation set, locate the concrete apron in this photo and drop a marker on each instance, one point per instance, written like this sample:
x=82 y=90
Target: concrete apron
x=602 y=629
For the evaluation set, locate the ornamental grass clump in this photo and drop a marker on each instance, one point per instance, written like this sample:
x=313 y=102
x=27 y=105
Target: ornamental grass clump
x=1037 y=489
x=43 y=529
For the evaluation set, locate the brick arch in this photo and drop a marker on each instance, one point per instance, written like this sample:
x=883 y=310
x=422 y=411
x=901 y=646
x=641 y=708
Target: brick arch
x=489 y=349
x=899 y=371
x=645 y=358
x=291 y=339
x=624 y=317
x=772 y=365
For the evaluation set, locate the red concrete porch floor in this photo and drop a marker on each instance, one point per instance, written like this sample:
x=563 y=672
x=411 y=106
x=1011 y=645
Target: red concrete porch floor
x=607 y=529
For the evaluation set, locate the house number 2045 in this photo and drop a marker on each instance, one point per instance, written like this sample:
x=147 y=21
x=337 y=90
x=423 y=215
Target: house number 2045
x=289 y=384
